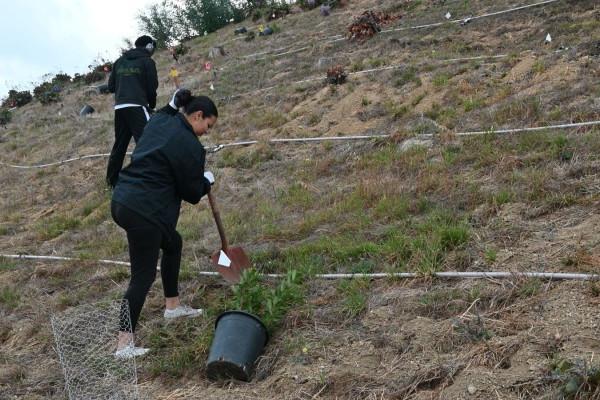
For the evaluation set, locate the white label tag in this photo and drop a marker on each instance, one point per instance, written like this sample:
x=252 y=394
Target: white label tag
x=224 y=261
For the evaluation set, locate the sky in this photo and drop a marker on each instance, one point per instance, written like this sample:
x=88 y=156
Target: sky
x=38 y=37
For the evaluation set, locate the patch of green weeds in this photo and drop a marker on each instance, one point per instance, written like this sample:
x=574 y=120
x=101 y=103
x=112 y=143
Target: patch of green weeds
x=530 y=287
x=9 y=297
x=502 y=197
x=538 y=67
x=443 y=303
x=179 y=351
x=355 y=296
x=491 y=255
x=446 y=116
x=118 y=273
x=297 y=196
x=56 y=226
x=314 y=118
x=246 y=158
x=528 y=109
x=578 y=380
x=440 y=80
x=451 y=153
x=405 y=76
x=415 y=102
x=391 y=207
x=471 y=104
x=394 y=110
x=357 y=66
x=263 y=119
x=365 y=266
x=7 y=264
x=375 y=62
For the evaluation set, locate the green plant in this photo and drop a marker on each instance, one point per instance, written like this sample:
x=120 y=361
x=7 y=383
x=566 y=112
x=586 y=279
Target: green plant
x=9 y=297
x=538 y=67
x=269 y=304
x=394 y=110
x=491 y=255
x=578 y=380
x=440 y=80
x=17 y=99
x=7 y=264
x=502 y=197
x=404 y=76
x=47 y=92
x=5 y=116
x=471 y=104
x=56 y=226
x=354 y=293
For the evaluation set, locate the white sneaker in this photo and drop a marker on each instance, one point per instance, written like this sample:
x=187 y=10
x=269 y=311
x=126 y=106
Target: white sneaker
x=130 y=351
x=183 y=311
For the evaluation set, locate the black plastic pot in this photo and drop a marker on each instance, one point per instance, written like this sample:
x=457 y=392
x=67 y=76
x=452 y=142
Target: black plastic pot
x=87 y=109
x=239 y=339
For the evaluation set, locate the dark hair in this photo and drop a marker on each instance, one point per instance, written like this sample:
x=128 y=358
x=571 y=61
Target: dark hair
x=191 y=104
x=144 y=40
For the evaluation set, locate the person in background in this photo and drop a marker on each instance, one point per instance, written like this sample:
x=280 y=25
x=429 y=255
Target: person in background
x=134 y=81
x=174 y=76
x=167 y=166
x=173 y=52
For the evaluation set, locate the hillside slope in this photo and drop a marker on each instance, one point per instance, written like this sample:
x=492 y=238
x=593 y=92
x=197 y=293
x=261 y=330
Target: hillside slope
x=493 y=202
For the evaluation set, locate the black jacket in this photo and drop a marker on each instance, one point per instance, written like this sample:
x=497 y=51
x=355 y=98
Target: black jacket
x=167 y=166
x=134 y=79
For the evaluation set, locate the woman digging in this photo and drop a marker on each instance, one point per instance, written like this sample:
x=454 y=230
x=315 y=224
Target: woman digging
x=167 y=166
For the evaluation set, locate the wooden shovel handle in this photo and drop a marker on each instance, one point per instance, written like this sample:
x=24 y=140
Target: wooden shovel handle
x=216 y=215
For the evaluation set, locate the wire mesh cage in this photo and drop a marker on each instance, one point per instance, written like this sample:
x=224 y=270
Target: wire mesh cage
x=86 y=338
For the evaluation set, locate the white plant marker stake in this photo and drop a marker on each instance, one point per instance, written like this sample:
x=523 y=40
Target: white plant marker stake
x=548 y=38
x=448 y=15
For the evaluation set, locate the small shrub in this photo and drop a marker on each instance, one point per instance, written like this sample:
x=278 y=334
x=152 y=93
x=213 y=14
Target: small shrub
x=491 y=255
x=56 y=226
x=181 y=49
x=472 y=104
x=502 y=197
x=355 y=298
x=17 y=99
x=61 y=78
x=538 y=67
x=5 y=116
x=394 y=110
x=47 y=93
x=271 y=305
x=405 y=76
x=336 y=75
x=440 y=80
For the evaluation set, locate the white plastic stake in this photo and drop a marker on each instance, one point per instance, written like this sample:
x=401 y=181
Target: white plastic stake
x=448 y=15
x=548 y=38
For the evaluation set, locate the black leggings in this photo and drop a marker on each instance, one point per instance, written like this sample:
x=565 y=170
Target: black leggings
x=129 y=122
x=145 y=239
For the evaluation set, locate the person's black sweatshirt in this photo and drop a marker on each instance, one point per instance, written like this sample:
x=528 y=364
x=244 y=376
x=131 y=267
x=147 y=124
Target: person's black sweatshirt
x=167 y=166
x=134 y=79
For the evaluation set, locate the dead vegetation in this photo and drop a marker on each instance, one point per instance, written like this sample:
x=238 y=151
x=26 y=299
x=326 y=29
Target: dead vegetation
x=522 y=202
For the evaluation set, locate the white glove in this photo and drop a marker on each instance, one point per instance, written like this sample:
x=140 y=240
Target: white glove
x=209 y=175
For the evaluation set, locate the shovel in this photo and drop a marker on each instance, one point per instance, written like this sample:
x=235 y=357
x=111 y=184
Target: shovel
x=229 y=261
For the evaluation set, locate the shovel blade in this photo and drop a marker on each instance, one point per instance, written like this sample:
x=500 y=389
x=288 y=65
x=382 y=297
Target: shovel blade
x=238 y=262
